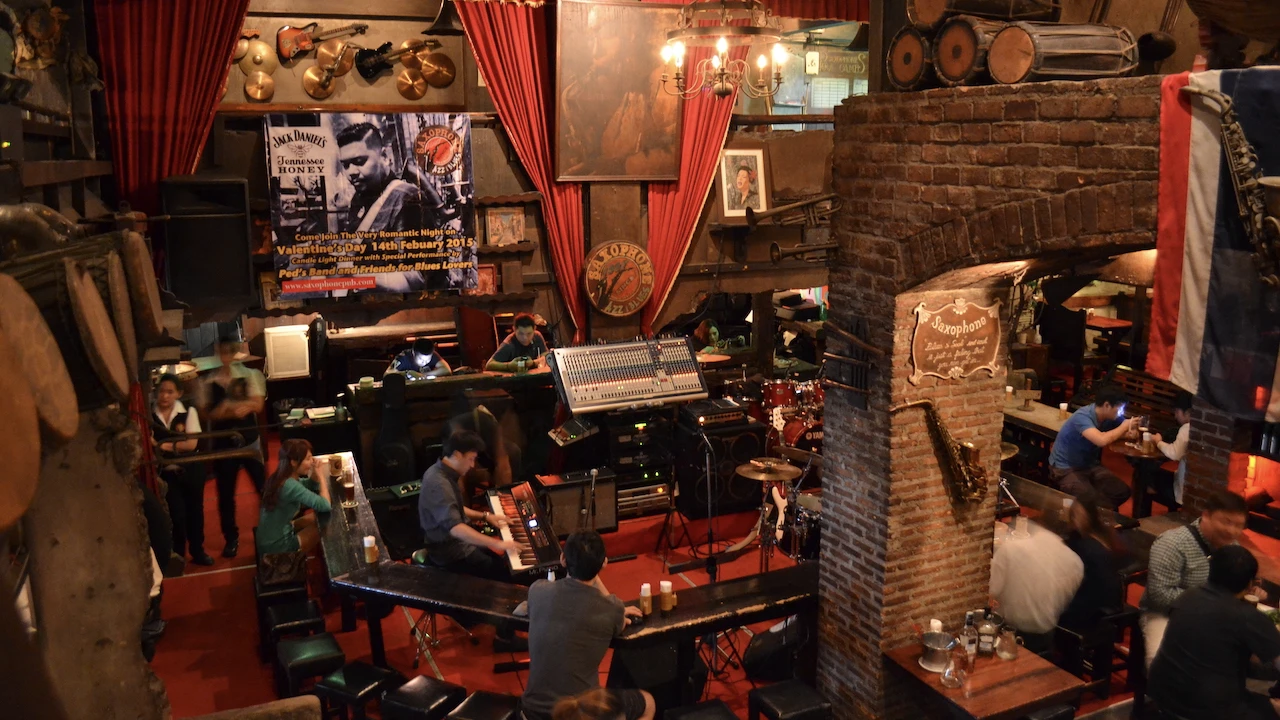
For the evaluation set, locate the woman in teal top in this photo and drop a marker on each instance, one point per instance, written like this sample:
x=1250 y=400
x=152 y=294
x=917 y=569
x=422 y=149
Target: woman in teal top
x=286 y=493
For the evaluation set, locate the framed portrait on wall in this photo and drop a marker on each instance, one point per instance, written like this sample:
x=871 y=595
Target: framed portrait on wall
x=743 y=181
x=614 y=121
x=270 y=285
x=504 y=225
x=487 y=283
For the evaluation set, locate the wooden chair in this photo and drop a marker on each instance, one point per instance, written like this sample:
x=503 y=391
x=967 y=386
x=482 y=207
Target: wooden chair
x=1064 y=331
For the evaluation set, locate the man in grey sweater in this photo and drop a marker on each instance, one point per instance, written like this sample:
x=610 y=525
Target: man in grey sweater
x=571 y=623
x=1180 y=561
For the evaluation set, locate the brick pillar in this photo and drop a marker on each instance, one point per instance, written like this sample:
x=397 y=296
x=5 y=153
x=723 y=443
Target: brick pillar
x=1208 y=454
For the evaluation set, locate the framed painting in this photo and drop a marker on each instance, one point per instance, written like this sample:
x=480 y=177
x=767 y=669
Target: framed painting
x=743 y=181
x=503 y=225
x=614 y=121
x=487 y=282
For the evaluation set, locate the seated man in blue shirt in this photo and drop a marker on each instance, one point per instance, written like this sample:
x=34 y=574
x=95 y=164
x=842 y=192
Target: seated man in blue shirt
x=1076 y=460
x=421 y=360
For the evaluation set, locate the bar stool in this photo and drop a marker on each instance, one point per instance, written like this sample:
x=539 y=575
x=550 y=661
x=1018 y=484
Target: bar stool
x=787 y=700
x=289 y=619
x=424 y=630
x=299 y=659
x=351 y=688
x=709 y=710
x=422 y=698
x=487 y=706
x=267 y=596
x=1053 y=712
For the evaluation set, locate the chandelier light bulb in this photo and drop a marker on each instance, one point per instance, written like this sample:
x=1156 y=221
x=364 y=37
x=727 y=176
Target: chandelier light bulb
x=779 y=54
x=678 y=48
x=761 y=62
x=715 y=61
x=666 y=54
x=722 y=45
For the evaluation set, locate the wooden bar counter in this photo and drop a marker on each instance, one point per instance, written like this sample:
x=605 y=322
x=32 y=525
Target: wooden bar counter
x=998 y=689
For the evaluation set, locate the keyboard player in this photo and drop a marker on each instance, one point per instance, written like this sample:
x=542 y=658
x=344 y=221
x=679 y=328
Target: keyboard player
x=452 y=544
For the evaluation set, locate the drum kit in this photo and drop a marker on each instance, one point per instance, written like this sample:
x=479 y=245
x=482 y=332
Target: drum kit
x=789 y=520
x=792 y=409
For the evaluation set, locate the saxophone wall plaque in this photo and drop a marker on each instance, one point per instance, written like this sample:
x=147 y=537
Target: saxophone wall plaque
x=955 y=340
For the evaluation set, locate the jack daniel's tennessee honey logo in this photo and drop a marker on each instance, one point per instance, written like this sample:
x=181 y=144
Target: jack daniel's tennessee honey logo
x=619 y=278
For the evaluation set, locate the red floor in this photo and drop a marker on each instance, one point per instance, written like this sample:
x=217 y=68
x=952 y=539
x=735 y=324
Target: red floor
x=208 y=658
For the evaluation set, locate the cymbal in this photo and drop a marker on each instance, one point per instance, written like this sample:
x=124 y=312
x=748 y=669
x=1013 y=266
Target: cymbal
x=439 y=70
x=319 y=83
x=337 y=54
x=259 y=56
x=242 y=49
x=1007 y=450
x=259 y=86
x=768 y=469
x=411 y=84
x=413 y=59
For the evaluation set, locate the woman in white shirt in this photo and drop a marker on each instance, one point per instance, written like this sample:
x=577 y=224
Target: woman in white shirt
x=171 y=422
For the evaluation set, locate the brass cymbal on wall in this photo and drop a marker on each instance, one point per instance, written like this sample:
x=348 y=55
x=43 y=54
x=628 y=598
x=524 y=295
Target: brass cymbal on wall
x=337 y=54
x=259 y=56
x=439 y=70
x=413 y=59
x=242 y=49
x=411 y=84
x=259 y=86
x=319 y=83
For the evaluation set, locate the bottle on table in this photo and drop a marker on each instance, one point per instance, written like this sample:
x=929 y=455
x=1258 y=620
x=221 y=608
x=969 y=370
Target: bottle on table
x=987 y=631
x=969 y=637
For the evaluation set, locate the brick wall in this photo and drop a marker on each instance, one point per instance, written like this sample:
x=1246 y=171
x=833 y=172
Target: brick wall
x=939 y=185
x=1209 y=455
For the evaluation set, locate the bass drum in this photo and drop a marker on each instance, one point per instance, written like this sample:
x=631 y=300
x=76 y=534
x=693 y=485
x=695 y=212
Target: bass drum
x=803 y=433
x=1031 y=52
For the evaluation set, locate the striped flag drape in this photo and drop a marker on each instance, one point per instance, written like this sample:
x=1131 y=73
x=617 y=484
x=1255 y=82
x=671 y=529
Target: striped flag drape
x=1215 y=328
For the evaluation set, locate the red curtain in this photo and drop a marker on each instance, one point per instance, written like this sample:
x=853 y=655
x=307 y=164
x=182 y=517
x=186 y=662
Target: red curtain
x=163 y=63
x=849 y=10
x=513 y=48
x=675 y=207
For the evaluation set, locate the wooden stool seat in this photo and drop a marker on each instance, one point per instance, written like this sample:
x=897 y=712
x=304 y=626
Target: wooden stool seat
x=352 y=686
x=787 y=700
x=299 y=659
x=487 y=706
x=422 y=698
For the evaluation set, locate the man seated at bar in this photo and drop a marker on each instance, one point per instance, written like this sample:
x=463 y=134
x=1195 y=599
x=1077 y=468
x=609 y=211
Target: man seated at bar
x=1180 y=561
x=1032 y=581
x=1200 y=671
x=420 y=361
x=452 y=544
x=1168 y=486
x=571 y=623
x=524 y=344
x=298 y=482
x=1075 y=463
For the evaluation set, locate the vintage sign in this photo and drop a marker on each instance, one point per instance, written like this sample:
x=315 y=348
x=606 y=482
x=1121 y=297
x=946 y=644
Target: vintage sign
x=619 y=278
x=955 y=340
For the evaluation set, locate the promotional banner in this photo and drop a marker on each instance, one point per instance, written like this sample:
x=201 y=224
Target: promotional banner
x=371 y=203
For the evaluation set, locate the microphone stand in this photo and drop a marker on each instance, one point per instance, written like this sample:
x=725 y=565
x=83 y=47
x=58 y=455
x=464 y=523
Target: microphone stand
x=589 y=508
x=711 y=565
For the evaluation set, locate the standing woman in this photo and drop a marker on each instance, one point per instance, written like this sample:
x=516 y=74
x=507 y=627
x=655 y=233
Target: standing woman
x=171 y=422
x=298 y=482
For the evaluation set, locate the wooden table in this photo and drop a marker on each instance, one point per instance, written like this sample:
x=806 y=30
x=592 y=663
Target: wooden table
x=1144 y=464
x=1041 y=419
x=998 y=689
x=1101 y=323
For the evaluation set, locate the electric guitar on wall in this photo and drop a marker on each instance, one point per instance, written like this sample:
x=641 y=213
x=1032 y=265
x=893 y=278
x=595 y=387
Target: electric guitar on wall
x=372 y=63
x=292 y=42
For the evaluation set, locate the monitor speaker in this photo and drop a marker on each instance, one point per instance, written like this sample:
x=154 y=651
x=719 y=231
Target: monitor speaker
x=564 y=497
x=208 y=253
x=774 y=655
x=653 y=669
x=724 y=492
x=393 y=457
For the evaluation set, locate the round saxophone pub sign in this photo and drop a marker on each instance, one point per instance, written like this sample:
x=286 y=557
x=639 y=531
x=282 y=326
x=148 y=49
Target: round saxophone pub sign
x=619 y=278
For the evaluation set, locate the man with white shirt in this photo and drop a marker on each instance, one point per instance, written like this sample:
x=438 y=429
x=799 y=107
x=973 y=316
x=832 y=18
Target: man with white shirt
x=171 y=421
x=1168 y=486
x=1032 y=581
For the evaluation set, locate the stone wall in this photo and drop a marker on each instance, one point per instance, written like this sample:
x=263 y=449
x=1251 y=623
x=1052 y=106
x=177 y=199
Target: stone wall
x=949 y=193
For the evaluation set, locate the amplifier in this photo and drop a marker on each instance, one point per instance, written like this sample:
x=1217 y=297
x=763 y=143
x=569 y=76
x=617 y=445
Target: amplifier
x=722 y=492
x=565 y=496
x=639 y=434
x=644 y=493
x=630 y=460
x=704 y=413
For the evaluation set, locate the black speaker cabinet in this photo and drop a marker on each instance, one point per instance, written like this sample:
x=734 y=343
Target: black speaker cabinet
x=565 y=496
x=397 y=518
x=208 y=252
x=731 y=445
x=653 y=669
x=393 y=457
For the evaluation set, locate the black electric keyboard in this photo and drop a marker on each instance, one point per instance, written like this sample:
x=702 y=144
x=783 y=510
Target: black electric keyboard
x=533 y=530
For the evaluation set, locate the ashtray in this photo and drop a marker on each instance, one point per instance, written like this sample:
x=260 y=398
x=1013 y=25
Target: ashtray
x=349 y=505
x=932 y=668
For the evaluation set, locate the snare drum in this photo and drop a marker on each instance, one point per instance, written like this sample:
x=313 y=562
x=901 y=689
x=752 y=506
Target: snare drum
x=780 y=393
x=812 y=393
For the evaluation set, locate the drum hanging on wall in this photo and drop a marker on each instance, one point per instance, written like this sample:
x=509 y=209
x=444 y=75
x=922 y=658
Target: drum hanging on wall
x=929 y=14
x=39 y=360
x=960 y=52
x=20 y=441
x=1032 y=52
x=910 y=61
x=143 y=287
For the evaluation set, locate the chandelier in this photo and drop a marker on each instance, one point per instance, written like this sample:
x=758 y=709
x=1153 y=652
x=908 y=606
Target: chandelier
x=710 y=23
